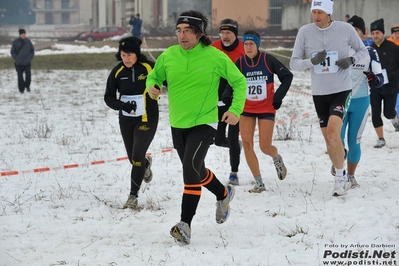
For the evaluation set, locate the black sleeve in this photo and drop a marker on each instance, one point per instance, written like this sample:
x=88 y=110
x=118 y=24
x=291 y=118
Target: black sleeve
x=227 y=95
x=228 y=91
x=284 y=75
x=222 y=86
x=14 y=49
x=32 y=50
x=393 y=76
x=110 y=92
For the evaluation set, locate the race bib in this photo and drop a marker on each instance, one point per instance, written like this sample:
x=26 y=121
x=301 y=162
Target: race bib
x=137 y=101
x=256 y=90
x=385 y=75
x=328 y=65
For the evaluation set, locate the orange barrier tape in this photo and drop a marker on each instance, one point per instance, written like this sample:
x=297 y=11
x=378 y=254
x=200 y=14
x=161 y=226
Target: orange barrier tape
x=75 y=165
x=280 y=122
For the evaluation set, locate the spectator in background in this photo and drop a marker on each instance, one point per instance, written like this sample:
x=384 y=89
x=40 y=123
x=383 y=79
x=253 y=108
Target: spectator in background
x=136 y=23
x=387 y=94
x=234 y=48
x=347 y=17
x=22 y=51
x=329 y=63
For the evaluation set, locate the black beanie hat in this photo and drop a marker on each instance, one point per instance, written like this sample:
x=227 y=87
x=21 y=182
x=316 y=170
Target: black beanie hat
x=21 y=31
x=394 y=29
x=377 y=25
x=229 y=24
x=130 y=45
x=357 y=22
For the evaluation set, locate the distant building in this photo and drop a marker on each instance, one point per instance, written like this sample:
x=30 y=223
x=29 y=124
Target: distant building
x=92 y=13
x=61 y=11
x=251 y=13
x=158 y=13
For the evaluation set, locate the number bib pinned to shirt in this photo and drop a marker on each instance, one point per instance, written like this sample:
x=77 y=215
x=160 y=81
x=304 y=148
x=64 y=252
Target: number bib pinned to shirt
x=328 y=65
x=256 y=90
x=138 y=101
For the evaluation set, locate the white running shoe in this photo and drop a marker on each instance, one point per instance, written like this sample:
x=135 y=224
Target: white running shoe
x=148 y=172
x=395 y=123
x=131 y=203
x=354 y=183
x=223 y=206
x=341 y=185
x=280 y=168
x=233 y=179
x=181 y=232
x=380 y=143
x=257 y=188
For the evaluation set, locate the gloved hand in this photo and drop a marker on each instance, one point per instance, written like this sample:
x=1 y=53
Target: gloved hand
x=319 y=57
x=128 y=107
x=345 y=63
x=277 y=105
x=372 y=78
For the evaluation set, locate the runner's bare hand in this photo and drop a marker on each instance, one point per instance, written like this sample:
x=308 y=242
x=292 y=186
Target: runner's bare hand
x=230 y=118
x=154 y=92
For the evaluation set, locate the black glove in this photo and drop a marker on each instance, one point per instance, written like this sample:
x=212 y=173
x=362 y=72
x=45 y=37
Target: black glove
x=318 y=58
x=372 y=78
x=128 y=107
x=277 y=105
x=345 y=63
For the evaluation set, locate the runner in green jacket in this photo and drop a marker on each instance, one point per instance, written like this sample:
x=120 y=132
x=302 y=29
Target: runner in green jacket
x=193 y=70
x=193 y=78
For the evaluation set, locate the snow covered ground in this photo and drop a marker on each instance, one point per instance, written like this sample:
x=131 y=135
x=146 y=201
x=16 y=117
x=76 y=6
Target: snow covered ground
x=74 y=216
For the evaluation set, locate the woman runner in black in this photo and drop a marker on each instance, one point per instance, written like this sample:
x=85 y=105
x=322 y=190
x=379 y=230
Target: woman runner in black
x=138 y=113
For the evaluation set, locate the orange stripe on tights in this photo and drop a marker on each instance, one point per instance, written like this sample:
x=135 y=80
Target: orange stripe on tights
x=208 y=178
x=192 y=192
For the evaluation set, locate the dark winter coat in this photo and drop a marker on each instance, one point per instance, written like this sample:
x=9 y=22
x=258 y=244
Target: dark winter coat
x=388 y=53
x=22 y=51
x=131 y=81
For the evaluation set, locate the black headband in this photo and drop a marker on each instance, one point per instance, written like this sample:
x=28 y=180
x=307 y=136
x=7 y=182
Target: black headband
x=229 y=27
x=394 y=29
x=192 y=21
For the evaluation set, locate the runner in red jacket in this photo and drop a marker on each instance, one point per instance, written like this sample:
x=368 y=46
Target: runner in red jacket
x=234 y=48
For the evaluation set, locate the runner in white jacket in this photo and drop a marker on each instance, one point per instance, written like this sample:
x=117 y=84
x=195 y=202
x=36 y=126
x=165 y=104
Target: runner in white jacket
x=323 y=47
